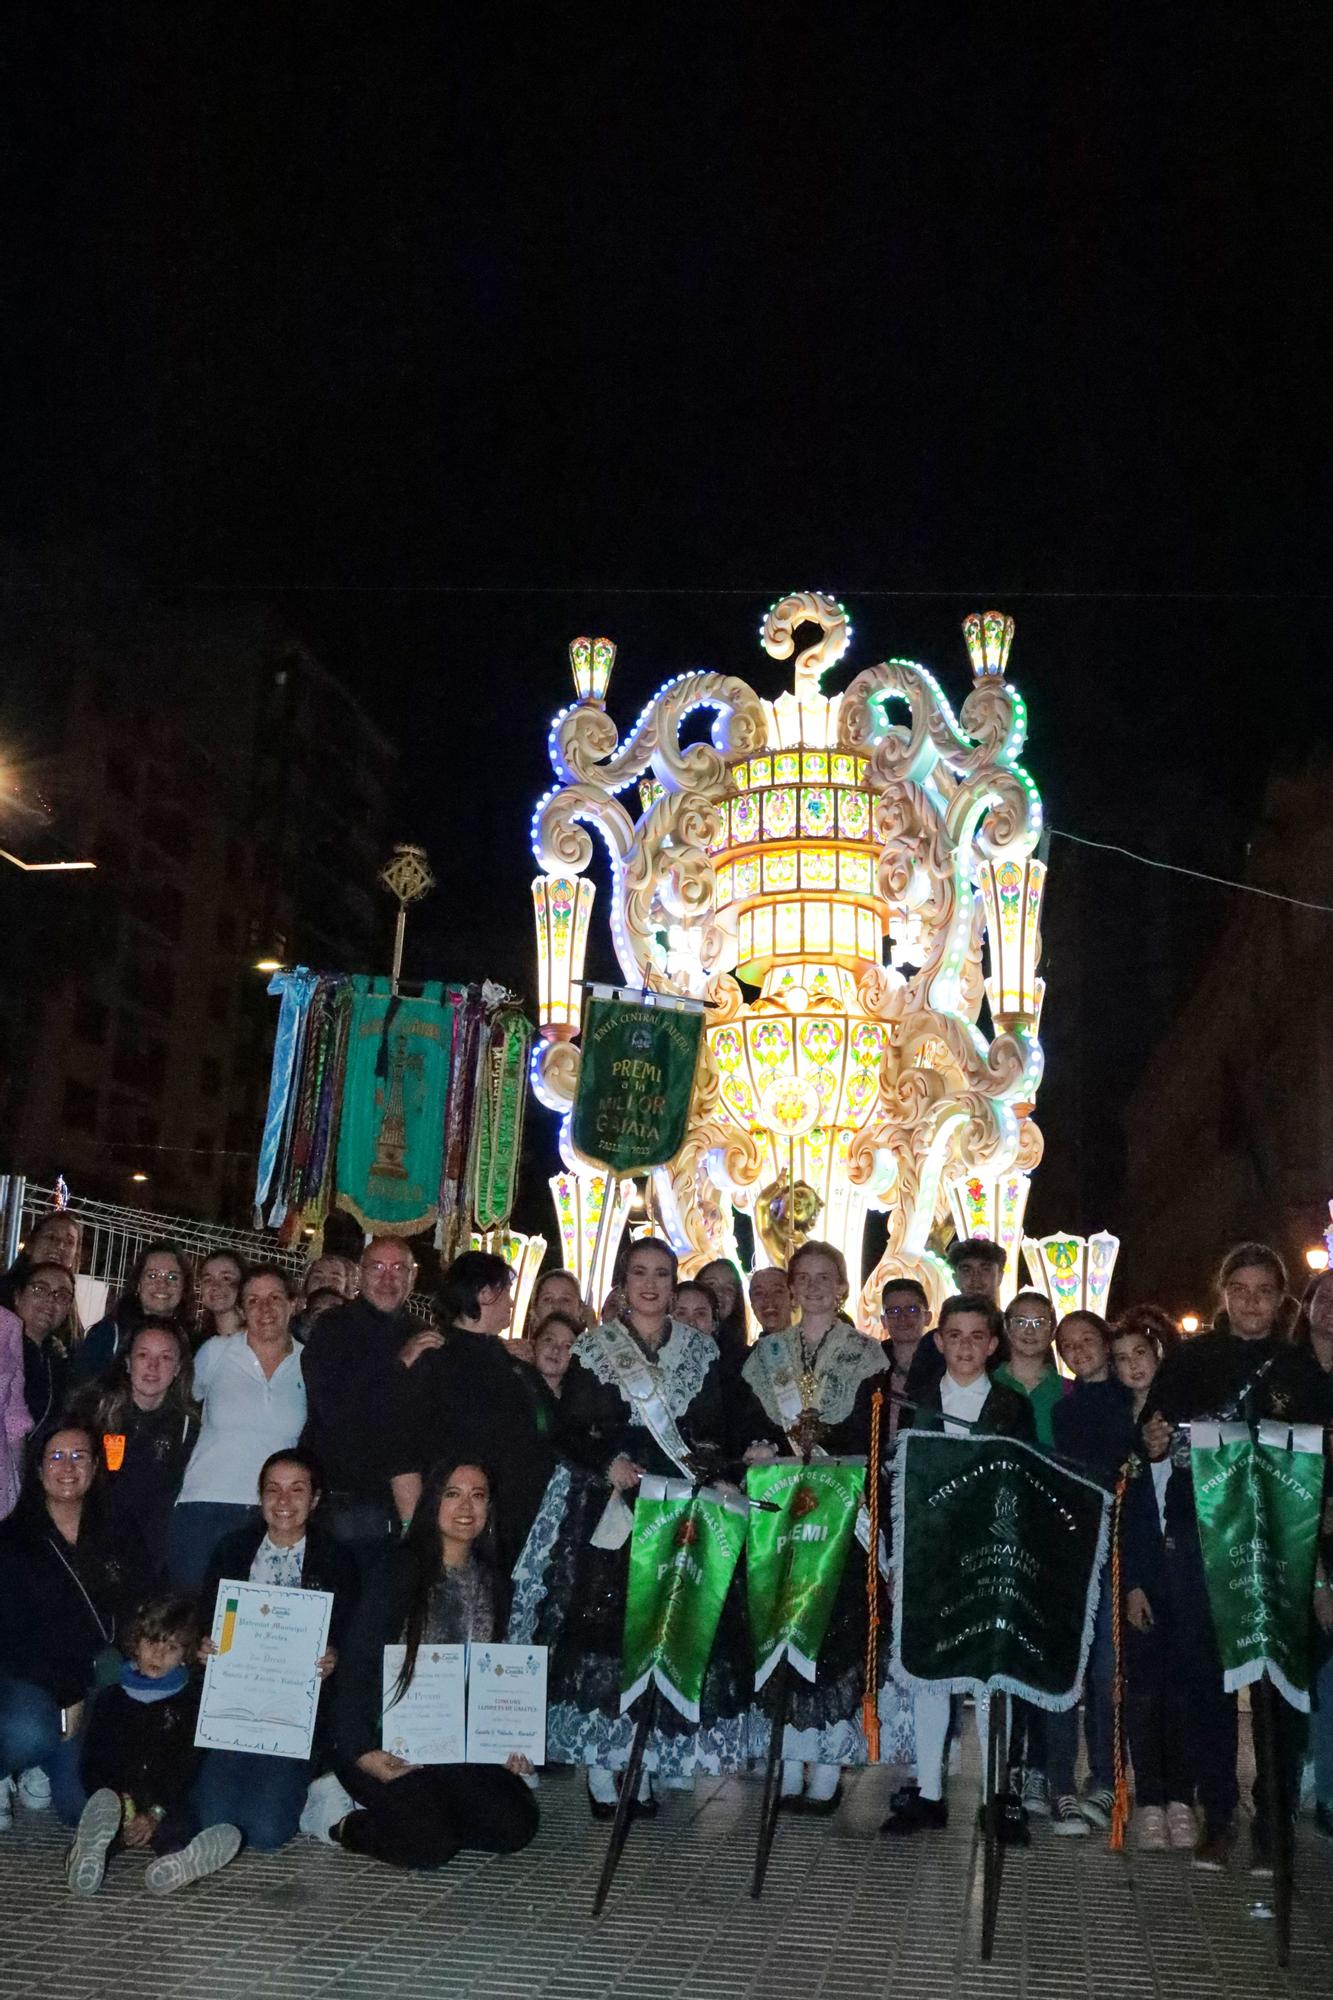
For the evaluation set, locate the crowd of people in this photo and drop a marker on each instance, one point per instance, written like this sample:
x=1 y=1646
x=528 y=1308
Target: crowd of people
x=449 y=1480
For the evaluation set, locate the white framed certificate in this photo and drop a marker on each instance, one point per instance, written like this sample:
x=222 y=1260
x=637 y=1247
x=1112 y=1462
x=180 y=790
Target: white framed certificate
x=261 y=1687
x=506 y=1704
x=427 y=1722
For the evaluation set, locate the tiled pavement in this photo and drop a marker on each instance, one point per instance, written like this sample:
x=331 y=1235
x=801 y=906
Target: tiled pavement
x=844 y=1915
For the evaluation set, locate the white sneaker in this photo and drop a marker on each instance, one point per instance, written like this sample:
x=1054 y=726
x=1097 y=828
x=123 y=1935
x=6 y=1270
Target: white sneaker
x=99 y=1823
x=207 y=1852
x=6 y=1805
x=35 y=1789
x=326 y=1803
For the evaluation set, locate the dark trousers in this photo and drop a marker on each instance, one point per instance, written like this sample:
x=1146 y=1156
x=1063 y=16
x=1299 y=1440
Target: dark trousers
x=366 y=1528
x=423 y=1819
x=263 y=1796
x=1158 y=1719
x=1196 y=1666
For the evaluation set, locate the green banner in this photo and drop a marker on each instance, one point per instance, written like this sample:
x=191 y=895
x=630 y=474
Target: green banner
x=636 y=1079
x=997 y=1552
x=499 y=1118
x=682 y=1557
x=1258 y=1505
x=391 y=1138
x=795 y=1555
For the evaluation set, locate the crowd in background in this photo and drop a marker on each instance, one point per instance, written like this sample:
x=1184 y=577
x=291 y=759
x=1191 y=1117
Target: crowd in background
x=446 y=1482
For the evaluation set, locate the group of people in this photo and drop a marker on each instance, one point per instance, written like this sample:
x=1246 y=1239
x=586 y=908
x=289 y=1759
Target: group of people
x=447 y=1483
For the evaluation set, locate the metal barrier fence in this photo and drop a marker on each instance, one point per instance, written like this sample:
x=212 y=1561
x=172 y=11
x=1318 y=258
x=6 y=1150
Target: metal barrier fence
x=114 y=1236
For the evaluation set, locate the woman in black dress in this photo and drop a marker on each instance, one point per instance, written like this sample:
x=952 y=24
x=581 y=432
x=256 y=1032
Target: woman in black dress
x=643 y=1394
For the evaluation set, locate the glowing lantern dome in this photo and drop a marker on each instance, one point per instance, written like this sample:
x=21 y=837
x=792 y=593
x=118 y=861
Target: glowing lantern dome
x=835 y=875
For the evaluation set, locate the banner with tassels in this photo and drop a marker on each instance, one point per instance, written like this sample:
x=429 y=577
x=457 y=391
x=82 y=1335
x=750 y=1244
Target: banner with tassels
x=498 y=1126
x=997 y=1555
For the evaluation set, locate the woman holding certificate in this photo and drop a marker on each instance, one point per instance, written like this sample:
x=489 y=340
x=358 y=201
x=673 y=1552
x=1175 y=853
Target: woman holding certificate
x=642 y=1394
x=435 y=1593
x=285 y=1548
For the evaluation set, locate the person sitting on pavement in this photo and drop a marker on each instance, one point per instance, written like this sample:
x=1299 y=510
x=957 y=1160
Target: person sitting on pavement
x=288 y=1548
x=139 y=1762
x=441 y=1586
x=69 y=1578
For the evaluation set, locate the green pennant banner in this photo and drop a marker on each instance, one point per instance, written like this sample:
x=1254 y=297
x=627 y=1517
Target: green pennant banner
x=682 y=1557
x=997 y=1552
x=391 y=1136
x=1258 y=1504
x=795 y=1555
x=636 y=1079
x=498 y=1142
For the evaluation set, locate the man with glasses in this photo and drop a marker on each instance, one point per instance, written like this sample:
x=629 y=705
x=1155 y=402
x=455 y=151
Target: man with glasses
x=353 y=1370
x=904 y=1312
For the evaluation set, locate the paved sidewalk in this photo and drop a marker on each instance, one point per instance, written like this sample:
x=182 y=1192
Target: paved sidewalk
x=846 y=1915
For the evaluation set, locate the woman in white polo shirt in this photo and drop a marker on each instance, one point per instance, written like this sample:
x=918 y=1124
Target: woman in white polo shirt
x=253 y=1398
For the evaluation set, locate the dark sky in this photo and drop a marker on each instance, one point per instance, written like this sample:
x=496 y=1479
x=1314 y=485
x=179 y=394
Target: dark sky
x=454 y=331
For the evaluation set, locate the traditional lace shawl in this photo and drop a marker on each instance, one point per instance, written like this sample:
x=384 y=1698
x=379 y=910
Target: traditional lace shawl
x=843 y=1360
x=680 y=1366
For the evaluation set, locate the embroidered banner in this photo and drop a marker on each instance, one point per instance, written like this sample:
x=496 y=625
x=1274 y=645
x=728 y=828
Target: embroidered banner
x=794 y=1558
x=636 y=1079
x=1258 y=1504
x=391 y=1139
x=997 y=1554
x=499 y=1124
x=682 y=1557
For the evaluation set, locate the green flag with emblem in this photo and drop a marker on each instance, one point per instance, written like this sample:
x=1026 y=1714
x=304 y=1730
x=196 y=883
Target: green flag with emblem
x=682 y=1556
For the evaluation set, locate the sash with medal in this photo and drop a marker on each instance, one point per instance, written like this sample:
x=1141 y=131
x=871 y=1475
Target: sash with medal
x=638 y=1382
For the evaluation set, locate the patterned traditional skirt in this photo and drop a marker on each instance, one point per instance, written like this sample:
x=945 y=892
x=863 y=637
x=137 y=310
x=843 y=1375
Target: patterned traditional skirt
x=571 y=1596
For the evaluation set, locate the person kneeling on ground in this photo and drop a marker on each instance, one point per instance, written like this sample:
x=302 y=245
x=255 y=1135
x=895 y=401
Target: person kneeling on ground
x=139 y=1761
x=436 y=1588
x=964 y=1403
x=288 y=1548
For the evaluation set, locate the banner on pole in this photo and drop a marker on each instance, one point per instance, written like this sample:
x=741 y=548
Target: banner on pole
x=682 y=1557
x=1258 y=1504
x=636 y=1079
x=795 y=1557
x=391 y=1139
x=997 y=1551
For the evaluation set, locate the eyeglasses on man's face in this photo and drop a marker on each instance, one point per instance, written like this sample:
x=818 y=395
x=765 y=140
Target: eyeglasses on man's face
x=903 y=1312
x=382 y=1270
x=41 y=1290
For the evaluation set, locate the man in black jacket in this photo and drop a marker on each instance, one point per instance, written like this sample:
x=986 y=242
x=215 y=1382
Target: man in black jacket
x=469 y=1395
x=358 y=1396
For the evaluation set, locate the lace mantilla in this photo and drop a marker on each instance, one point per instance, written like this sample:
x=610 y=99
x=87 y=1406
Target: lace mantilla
x=531 y=1568
x=843 y=1360
x=680 y=1368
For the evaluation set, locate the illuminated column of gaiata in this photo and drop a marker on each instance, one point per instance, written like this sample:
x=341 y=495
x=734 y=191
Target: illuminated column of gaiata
x=850 y=882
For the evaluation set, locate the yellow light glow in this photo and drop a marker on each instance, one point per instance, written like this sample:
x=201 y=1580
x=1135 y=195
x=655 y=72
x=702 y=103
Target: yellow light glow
x=1317 y=1257
x=1012 y=890
x=1189 y=1323
x=561 y=905
x=591 y=661
x=138 y=1177
x=268 y=965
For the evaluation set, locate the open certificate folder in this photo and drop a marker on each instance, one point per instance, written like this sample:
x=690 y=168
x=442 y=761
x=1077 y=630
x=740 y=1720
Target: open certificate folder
x=261 y=1687
x=466 y=1705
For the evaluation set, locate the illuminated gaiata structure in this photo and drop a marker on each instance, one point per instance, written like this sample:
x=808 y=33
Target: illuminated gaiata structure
x=850 y=883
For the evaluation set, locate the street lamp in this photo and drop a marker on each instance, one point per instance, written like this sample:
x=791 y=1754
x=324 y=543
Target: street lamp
x=1189 y=1323
x=1317 y=1256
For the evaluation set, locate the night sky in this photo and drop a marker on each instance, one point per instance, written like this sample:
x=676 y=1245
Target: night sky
x=452 y=332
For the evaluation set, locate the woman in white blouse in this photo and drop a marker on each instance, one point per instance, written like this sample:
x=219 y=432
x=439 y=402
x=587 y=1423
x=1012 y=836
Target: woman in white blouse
x=253 y=1398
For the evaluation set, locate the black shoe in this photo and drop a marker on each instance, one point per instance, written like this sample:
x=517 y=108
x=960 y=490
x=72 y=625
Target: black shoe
x=1323 y=1819
x=791 y=1802
x=644 y=1808
x=916 y=1815
x=601 y=1808
x=824 y=1808
x=903 y=1797
x=1012 y=1828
